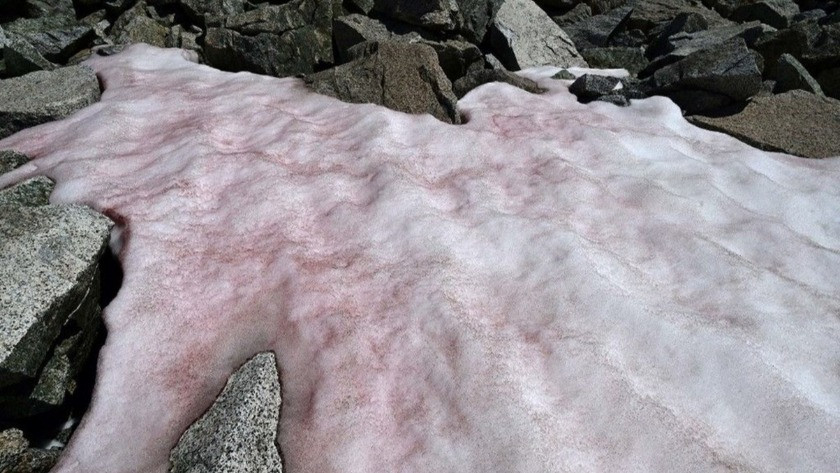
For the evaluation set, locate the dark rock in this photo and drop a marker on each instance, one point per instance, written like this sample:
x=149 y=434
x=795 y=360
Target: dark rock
x=524 y=36
x=211 y=12
x=791 y=75
x=279 y=40
x=615 y=99
x=43 y=96
x=456 y=58
x=776 y=13
x=564 y=74
x=238 y=433
x=682 y=23
x=724 y=7
x=477 y=16
x=365 y=6
x=596 y=31
x=825 y=51
x=589 y=87
x=56 y=38
x=16 y=456
x=648 y=14
x=632 y=59
x=350 y=30
x=402 y=77
x=579 y=13
x=22 y=58
x=629 y=38
x=809 y=16
x=829 y=81
x=796 y=41
x=795 y=122
x=484 y=76
x=706 y=78
x=134 y=26
x=430 y=14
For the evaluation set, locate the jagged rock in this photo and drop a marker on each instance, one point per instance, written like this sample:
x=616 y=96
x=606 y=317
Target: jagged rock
x=22 y=58
x=238 y=433
x=791 y=75
x=829 y=81
x=579 y=13
x=796 y=41
x=682 y=23
x=795 y=122
x=43 y=96
x=632 y=59
x=365 y=6
x=476 y=78
x=682 y=45
x=207 y=12
x=49 y=294
x=400 y=76
x=456 y=58
x=809 y=16
x=589 y=87
x=353 y=29
x=648 y=14
x=710 y=78
x=825 y=52
x=477 y=15
x=280 y=40
x=430 y=14
x=57 y=38
x=776 y=13
x=524 y=36
x=17 y=457
x=564 y=74
x=598 y=30
x=134 y=26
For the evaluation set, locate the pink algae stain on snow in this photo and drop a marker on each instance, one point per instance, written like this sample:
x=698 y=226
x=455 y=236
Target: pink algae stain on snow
x=550 y=287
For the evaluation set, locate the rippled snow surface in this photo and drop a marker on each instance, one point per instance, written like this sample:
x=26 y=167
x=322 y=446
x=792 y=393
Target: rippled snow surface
x=550 y=287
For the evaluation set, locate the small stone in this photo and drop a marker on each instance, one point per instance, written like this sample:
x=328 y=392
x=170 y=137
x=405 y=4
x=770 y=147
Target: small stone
x=43 y=96
x=589 y=87
x=523 y=36
x=791 y=74
x=564 y=74
x=480 y=77
x=238 y=434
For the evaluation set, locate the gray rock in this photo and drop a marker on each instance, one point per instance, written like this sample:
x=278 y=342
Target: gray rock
x=476 y=17
x=238 y=433
x=791 y=75
x=589 y=87
x=796 y=41
x=648 y=14
x=400 y=76
x=279 y=40
x=455 y=57
x=564 y=74
x=210 y=12
x=523 y=36
x=829 y=81
x=809 y=16
x=57 y=38
x=776 y=13
x=431 y=14
x=135 y=26
x=632 y=59
x=682 y=23
x=579 y=13
x=49 y=294
x=43 y=96
x=615 y=99
x=476 y=78
x=365 y=6
x=795 y=122
x=597 y=31
x=701 y=80
x=22 y=58
x=17 y=457
x=350 y=30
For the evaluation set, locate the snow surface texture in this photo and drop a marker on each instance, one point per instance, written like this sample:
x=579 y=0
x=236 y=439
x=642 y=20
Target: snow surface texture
x=549 y=287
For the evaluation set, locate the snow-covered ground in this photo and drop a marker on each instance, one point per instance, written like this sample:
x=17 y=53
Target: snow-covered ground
x=550 y=287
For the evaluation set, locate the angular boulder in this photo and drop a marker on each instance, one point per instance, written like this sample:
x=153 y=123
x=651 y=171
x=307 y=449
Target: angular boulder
x=238 y=434
x=402 y=77
x=795 y=122
x=616 y=57
x=22 y=58
x=44 y=96
x=524 y=36
x=597 y=31
x=776 y=13
x=56 y=37
x=791 y=75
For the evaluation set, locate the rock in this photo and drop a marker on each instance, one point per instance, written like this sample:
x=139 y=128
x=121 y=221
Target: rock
x=479 y=77
x=134 y=26
x=682 y=23
x=279 y=40
x=682 y=45
x=455 y=57
x=579 y=13
x=17 y=457
x=22 y=58
x=350 y=30
x=43 y=96
x=795 y=122
x=210 y=12
x=431 y=14
x=825 y=51
x=49 y=294
x=632 y=59
x=648 y=14
x=57 y=38
x=791 y=75
x=796 y=41
x=477 y=16
x=829 y=81
x=589 y=87
x=809 y=16
x=524 y=36
x=400 y=76
x=365 y=6
x=564 y=74
x=776 y=13
x=238 y=434
x=598 y=30
x=701 y=81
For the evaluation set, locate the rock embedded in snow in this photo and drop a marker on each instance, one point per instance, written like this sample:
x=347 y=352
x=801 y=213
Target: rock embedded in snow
x=238 y=433
x=400 y=76
x=589 y=87
x=479 y=77
x=795 y=122
x=524 y=36
x=44 y=96
x=792 y=75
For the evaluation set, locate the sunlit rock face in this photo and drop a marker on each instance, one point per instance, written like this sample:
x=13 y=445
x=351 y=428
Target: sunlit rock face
x=550 y=287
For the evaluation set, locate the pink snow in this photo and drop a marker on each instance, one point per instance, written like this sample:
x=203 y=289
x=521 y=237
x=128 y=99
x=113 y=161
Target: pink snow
x=550 y=287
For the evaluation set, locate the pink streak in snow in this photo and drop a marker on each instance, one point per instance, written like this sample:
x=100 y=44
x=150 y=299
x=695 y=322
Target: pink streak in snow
x=550 y=287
